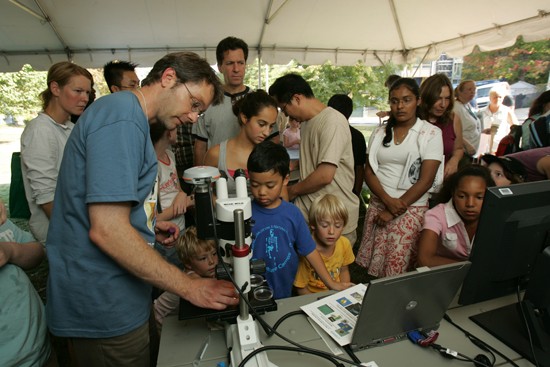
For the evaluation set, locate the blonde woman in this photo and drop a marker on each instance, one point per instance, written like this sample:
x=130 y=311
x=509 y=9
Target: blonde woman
x=44 y=138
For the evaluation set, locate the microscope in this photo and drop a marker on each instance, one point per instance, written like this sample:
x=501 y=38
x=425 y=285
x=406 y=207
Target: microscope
x=230 y=225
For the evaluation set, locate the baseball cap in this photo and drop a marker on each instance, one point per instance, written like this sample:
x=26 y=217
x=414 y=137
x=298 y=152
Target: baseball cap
x=512 y=165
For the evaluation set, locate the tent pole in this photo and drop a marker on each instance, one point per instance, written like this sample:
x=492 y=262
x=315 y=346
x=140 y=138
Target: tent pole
x=421 y=61
x=259 y=68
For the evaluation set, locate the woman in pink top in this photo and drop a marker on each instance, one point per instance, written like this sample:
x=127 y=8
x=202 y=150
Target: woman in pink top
x=450 y=227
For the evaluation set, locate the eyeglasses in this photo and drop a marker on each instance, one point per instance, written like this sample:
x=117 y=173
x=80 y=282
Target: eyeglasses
x=195 y=103
x=284 y=107
x=406 y=101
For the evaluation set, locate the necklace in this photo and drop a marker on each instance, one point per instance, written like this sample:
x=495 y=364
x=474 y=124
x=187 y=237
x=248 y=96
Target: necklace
x=144 y=102
x=397 y=141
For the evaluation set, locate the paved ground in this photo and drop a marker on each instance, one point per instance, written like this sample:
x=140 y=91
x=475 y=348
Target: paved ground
x=9 y=143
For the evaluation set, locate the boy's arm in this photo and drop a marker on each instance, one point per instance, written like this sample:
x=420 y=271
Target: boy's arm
x=302 y=278
x=302 y=291
x=345 y=276
x=318 y=264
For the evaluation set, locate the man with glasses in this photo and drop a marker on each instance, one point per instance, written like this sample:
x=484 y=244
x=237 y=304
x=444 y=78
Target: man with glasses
x=103 y=227
x=120 y=75
x=326 y=156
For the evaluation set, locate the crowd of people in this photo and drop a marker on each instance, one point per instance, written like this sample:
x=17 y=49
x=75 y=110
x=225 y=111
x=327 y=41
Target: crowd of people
x=110 y=210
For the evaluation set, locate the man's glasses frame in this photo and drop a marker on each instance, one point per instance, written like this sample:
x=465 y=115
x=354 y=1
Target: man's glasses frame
x=195 y=103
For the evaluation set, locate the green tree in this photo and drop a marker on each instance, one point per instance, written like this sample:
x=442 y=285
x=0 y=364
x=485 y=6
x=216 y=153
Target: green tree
x=20 y=92
x=364 y=84
x=529 y=62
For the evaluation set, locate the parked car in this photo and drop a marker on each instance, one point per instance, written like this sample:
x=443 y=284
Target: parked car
x=484 y=87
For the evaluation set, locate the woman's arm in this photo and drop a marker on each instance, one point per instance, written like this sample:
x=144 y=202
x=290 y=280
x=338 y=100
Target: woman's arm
x=468 y=148
x=512 y=118
x=428 y=170
x=458 y=149
x=427 y=250
x=211 y=157
x=395 y=206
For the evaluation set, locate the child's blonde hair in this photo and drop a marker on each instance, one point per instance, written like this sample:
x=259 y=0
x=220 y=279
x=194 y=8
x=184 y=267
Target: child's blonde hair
x=327 y=206
x=189 y=245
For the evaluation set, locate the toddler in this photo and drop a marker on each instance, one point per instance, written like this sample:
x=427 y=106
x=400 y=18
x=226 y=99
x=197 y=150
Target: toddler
x=200 y=259
x=327 y=219
x=280 y=230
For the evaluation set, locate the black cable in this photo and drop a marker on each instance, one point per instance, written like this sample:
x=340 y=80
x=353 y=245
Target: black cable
x=528 y=329
x=472 y=337
x=448 y=353
x=275 y=332
x=283 y=318
x=351 y=353
x=267 y=328
x=329 y=357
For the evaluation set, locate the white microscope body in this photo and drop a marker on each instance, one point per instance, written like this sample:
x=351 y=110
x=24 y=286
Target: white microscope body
x=243 y=337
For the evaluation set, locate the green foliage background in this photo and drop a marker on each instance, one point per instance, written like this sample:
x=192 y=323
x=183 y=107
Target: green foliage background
x=364 y=84
x=19 y=92
x=529 y=62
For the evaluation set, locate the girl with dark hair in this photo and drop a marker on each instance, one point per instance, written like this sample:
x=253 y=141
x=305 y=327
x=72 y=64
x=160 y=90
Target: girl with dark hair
x=539 y=107
x=257 y=114
x=403 y=158
x=450 y=226
x=436 y=107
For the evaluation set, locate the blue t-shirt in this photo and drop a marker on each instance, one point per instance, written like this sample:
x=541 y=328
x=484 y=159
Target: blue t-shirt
x=278 y=234
x=109 y=158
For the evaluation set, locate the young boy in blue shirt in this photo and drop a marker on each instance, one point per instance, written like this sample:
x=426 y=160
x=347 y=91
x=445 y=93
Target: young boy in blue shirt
x=280 y=231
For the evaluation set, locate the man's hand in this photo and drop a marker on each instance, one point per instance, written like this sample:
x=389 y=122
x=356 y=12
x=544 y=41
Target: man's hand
x=291 y=194
x=166 y=233
x=212 y=293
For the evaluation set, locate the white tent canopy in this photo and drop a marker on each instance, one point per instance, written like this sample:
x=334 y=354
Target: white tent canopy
x=92 y=32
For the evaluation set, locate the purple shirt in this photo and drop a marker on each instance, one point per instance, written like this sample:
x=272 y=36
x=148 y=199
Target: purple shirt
x=529 y=159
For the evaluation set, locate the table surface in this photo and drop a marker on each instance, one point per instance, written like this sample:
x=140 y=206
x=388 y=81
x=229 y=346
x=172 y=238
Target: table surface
x=182 y=340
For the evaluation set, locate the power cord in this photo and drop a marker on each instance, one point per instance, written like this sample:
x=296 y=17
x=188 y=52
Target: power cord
x=479 y=361
x=427 y=340
x=478 y=342
x=528 y=329
x=270 y=330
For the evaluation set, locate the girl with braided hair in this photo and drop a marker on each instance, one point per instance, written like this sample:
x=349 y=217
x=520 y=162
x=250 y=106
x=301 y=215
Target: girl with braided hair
x=403 y=158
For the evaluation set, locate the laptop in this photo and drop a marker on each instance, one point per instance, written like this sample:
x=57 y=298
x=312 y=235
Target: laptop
x=416 y=300
x=386 y=309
